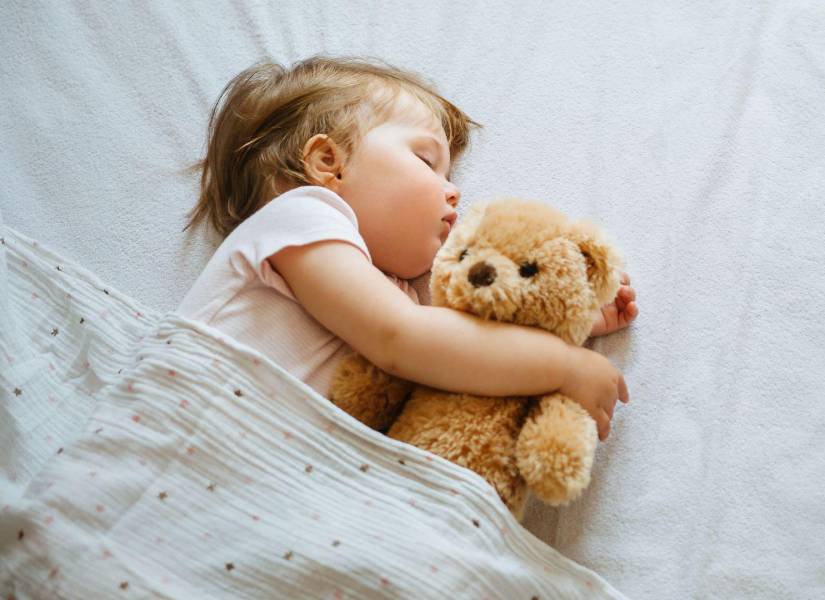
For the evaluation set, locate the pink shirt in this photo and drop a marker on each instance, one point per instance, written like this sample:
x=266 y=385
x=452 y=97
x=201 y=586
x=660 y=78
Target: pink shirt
x=240 y=294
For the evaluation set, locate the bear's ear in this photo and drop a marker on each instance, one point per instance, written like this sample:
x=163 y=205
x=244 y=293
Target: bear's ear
x=467 y=224
x=474 y=214
x=603 y=262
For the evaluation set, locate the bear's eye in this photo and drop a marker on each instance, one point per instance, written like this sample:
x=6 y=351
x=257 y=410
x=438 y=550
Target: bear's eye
x=462 y=255
x=528 y=269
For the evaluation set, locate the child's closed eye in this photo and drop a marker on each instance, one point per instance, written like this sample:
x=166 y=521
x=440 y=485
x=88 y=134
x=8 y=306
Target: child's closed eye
x=426 y=162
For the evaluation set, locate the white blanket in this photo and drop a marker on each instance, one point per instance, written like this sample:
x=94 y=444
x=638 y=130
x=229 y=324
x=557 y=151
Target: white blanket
x=147 y=454
x=691 y=130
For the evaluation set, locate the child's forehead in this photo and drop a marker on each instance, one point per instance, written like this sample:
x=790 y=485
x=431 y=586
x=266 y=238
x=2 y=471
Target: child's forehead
x=407 y=109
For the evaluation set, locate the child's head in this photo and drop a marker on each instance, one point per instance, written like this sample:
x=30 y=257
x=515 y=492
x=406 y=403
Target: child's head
x=380 y=137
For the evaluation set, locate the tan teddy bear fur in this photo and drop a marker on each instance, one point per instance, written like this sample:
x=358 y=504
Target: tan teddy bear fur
x=520 y=262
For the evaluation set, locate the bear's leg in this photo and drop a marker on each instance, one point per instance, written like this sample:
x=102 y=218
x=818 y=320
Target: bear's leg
x=555 y=449
x=368 y=393
x=477 y=433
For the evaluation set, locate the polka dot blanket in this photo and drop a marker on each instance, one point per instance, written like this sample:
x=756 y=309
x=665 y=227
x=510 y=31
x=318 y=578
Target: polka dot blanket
x=144 y=455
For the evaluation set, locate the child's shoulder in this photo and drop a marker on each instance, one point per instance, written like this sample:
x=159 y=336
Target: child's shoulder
x=298 y=217
x=303 y=211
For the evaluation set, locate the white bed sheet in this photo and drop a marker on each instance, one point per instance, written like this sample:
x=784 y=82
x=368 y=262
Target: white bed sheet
x=692 y=131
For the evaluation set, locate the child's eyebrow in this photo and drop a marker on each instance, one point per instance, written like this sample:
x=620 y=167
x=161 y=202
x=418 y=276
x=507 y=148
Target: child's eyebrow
x=432 y=139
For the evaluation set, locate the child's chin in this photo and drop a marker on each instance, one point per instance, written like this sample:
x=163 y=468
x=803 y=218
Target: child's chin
x=418 y=273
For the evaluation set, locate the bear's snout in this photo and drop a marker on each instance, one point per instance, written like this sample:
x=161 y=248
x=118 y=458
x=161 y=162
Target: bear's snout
x=482 y=274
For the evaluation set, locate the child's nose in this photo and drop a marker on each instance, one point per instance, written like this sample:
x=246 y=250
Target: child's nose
x=452 y=193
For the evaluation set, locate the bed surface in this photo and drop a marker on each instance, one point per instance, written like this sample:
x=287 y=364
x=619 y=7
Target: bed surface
x=693 y=132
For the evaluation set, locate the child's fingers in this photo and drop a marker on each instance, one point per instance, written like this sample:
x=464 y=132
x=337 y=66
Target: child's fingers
x=609 y=409
x=604 y=426
x=627 y=293
x=627 y=313
x=624 y=278
x=624 y=395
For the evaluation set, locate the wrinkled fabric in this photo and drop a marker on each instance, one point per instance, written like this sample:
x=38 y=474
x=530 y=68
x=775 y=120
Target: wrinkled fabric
x=149 y=454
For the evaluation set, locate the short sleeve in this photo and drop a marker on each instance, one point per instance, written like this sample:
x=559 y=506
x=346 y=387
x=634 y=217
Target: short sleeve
x=298 y=217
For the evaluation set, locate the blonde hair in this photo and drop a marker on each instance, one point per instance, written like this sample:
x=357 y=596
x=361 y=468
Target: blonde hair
x=265 y=114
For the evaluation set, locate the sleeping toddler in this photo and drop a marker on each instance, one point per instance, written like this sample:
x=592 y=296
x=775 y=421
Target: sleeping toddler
x=330 y=184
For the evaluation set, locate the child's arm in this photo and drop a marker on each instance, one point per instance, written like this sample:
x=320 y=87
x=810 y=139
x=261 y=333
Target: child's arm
x=440 y=347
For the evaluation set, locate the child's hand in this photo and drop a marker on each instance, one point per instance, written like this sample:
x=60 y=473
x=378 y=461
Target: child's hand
x=594 y=383
x=617 y=314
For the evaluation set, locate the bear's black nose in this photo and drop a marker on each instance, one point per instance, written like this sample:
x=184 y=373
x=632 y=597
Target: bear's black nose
x=482 y=274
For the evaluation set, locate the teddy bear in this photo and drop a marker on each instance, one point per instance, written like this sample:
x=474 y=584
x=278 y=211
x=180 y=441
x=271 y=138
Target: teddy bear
x=517 y=261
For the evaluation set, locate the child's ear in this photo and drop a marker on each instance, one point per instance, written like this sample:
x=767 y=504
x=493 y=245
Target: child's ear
x=603 y=262
x=323 y=161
